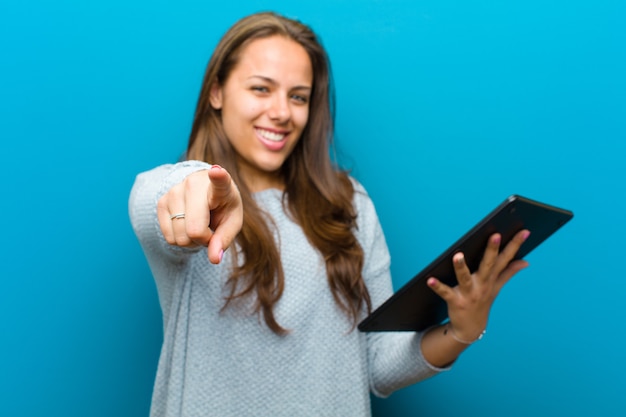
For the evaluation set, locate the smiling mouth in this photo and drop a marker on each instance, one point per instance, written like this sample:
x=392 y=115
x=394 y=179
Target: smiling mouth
x=271 y=136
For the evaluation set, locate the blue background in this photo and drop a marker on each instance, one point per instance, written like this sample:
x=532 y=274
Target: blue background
x=444 y=109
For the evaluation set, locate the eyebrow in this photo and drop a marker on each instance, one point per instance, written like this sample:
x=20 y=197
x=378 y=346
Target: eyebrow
x=273 y=82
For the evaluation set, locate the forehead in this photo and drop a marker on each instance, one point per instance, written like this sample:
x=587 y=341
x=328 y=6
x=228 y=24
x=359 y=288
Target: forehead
x=276 y=57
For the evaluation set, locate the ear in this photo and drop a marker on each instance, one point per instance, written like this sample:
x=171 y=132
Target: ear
x=215 y=96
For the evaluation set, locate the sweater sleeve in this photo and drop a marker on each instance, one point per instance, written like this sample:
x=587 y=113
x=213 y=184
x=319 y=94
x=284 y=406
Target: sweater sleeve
x=164 y=259
x=395 y=359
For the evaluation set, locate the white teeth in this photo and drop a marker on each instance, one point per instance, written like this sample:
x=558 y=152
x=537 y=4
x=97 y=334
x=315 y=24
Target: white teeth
x=274 y=137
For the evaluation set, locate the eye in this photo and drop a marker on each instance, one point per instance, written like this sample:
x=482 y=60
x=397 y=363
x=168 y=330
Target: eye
x=299 y=98
x=259 y=89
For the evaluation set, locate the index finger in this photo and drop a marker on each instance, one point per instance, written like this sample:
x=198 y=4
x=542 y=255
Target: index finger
x=221 y=191
x=197 y=211
x=226 y=212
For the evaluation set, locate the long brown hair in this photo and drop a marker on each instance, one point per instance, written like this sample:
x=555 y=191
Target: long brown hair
x=317 y=194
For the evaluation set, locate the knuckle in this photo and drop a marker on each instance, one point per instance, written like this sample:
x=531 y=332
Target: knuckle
x=489 y=263
x=169 y=238
x=175 y=191
x=182 y=240
x=195 y=230
x=190 y=182
x=162 y=203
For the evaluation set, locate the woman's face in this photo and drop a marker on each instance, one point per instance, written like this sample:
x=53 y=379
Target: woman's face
x=265 y=107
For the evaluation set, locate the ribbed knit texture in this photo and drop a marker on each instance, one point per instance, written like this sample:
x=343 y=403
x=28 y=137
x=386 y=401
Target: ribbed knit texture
x=228 y=363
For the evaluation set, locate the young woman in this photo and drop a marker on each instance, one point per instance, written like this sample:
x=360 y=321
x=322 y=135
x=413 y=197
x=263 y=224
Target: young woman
x=267 y=327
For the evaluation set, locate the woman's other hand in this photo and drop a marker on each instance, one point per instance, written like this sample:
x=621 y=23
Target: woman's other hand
x=469 y=303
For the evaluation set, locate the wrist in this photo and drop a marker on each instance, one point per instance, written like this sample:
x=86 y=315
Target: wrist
x=448 y=330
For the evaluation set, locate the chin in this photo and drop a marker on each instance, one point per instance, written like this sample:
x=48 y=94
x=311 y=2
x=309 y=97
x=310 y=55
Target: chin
x=271 y=167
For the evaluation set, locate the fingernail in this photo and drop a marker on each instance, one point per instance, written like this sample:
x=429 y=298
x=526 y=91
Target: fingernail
x=458 y=258
x=216 y=166
x=221 y=254
x=431 y=282
x=525 y=234
x=497 y=239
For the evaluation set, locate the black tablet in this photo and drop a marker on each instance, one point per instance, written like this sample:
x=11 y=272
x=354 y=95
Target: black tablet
x=415 y=306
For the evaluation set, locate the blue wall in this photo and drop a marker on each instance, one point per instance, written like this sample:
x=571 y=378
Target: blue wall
x=444 y=109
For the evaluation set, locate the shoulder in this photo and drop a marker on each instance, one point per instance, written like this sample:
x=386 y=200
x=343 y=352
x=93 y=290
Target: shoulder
x=363 y=204
x=370 y=234
x=368 y=223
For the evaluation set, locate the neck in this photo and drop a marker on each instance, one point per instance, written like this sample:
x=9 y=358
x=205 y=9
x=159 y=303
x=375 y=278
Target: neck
x=256 y=181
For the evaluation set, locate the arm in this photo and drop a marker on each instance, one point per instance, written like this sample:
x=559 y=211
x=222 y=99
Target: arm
x=394 y=359
x=399 y=359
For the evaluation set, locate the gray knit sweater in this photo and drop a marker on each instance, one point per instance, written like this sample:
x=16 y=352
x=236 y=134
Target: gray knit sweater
x=228 y=363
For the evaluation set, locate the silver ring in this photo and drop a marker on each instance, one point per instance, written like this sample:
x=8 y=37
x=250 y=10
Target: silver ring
x=177 y=216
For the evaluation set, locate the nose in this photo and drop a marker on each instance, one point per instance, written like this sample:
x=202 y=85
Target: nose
x=279 y=110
